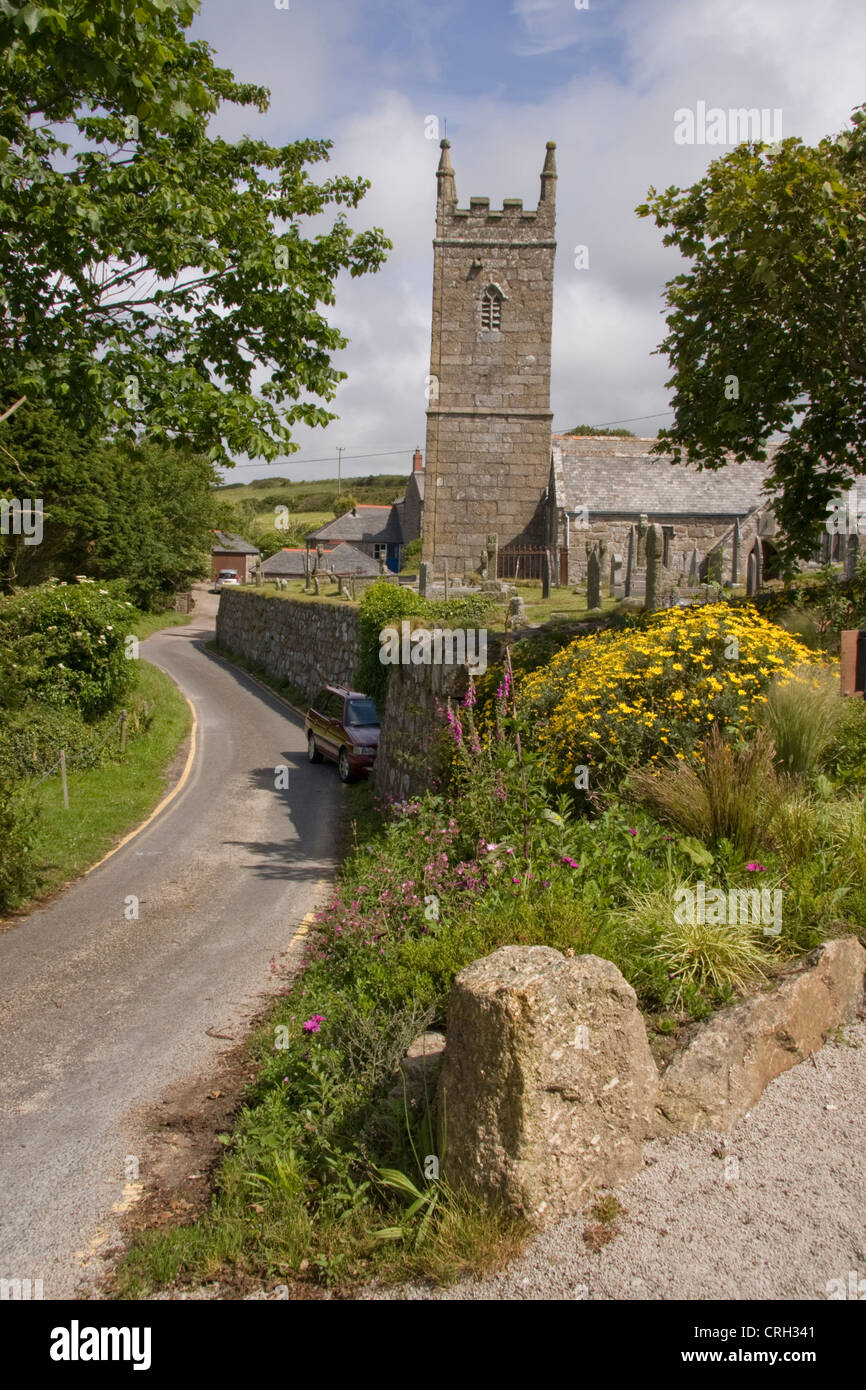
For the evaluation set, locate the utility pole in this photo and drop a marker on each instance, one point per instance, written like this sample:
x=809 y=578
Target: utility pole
x=339 y=471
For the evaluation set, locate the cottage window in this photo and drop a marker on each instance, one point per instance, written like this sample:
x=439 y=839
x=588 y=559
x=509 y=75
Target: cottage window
x=491 y=308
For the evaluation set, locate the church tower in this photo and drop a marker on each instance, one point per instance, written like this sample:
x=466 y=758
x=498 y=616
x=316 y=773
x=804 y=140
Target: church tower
x=488 y=418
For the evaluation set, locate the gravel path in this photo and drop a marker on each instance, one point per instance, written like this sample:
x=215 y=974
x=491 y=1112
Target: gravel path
x=776 y=1212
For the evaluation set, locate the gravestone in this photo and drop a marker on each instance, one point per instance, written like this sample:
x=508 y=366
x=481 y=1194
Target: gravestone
x=493 y=556
x=593 y=581
x=641 y=540
x=516 y=611
x=629 y=564
x=735 y=553
x=423 y=578
x=755 y=573
x=826 y=548
x=694 y=577
x=617 y=576
x=669 y=535
x=852 y=553
x=714 y=566
x=654 y=552
x=602 y=555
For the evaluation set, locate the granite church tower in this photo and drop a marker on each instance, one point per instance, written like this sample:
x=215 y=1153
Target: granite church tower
x=488 y=420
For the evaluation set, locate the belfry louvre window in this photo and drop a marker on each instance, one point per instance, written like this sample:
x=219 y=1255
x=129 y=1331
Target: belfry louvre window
x=491 y=309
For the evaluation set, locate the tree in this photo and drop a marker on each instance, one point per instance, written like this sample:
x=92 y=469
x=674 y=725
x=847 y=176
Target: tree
x=140 y=512
x=767 y=330
x=151 y=275
x=343 y=502
x=594 y=430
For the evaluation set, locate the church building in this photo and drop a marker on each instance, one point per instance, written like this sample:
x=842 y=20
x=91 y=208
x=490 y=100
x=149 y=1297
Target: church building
x=493 y=467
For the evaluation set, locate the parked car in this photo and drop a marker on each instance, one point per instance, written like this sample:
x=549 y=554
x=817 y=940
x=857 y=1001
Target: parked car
x=226 y=577
x=343 y=725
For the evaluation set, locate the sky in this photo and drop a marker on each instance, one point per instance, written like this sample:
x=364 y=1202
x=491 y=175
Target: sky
x=603 y=81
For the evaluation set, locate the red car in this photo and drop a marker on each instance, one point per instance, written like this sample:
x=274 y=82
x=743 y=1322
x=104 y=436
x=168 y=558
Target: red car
x=343 y=725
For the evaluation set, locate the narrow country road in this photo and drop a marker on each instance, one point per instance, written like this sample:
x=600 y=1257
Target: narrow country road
x=98 y=1015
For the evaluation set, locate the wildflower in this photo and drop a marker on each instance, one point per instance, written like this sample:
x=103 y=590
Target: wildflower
x=755 y=868
x=313 y=1024
x=631 y=830
x=572 y=863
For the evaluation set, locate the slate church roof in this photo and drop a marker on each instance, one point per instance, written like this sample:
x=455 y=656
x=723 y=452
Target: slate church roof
x=618 y=476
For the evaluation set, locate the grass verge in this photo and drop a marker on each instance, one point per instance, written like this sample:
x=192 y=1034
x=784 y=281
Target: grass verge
x=105 y=802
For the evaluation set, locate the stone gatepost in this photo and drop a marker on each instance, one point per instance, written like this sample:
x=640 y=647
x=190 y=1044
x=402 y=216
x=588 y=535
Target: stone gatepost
x=548 y=1086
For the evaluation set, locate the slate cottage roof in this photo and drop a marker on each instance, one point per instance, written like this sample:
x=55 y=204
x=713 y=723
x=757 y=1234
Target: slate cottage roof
x=365 y=522
x=289 y=562
x=620 y=477
x=227 y=543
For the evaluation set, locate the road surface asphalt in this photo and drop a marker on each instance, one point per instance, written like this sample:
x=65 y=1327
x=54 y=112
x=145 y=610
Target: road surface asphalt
x=99 y=1015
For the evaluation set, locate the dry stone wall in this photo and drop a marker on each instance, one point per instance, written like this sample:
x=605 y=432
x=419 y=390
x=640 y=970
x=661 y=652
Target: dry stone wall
x=308 y=644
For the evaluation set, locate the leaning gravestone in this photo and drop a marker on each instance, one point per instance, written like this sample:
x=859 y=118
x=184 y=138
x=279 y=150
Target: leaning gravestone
x=593 y=581
x=654 y=551
x=548 y=1086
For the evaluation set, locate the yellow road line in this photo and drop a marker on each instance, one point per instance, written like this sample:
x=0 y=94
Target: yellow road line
x=176 y=789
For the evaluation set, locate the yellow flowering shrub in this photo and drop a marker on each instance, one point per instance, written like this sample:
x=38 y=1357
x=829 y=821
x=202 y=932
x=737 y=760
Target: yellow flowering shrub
x=617 y=699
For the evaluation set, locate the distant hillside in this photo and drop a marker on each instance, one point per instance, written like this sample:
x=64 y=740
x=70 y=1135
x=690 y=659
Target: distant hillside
x=315 y=496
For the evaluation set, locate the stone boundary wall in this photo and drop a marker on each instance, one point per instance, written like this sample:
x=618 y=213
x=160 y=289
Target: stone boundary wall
x=308 y=644
x=413 y=741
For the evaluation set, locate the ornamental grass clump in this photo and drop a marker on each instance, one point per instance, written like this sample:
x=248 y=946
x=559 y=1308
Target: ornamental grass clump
x=726 y=793
x=622 y=698
x=803 y=711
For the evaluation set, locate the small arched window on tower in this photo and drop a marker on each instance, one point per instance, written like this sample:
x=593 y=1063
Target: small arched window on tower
x=491 y=307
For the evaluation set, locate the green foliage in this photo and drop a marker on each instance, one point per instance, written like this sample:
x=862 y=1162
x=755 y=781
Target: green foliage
x=342 y=503
x=31 y=737
x=412 y=556
x=802 y=714
x=724 y=794
x=19 y=876
x=595 y=430
x=776 y=237
x=210 y=325
x=381 y=605
x=701 y=958
x=64 y=645
x=142 y=512
x=845 y=757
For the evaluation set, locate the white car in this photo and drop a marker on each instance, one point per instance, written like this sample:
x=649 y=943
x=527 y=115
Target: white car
x=224 y=578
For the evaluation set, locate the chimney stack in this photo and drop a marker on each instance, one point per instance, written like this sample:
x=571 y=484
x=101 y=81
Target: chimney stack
x=417 y=461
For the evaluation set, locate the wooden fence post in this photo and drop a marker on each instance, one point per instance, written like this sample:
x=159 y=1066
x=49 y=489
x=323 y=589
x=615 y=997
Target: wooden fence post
x=123 y=719
x=63 y=779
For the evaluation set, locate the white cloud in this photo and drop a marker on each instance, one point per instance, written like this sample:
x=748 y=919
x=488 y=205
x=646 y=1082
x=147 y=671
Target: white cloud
x=614 y=134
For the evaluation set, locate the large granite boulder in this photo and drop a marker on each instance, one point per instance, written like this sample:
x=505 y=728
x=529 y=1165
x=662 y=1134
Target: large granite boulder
x=548 y=1086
